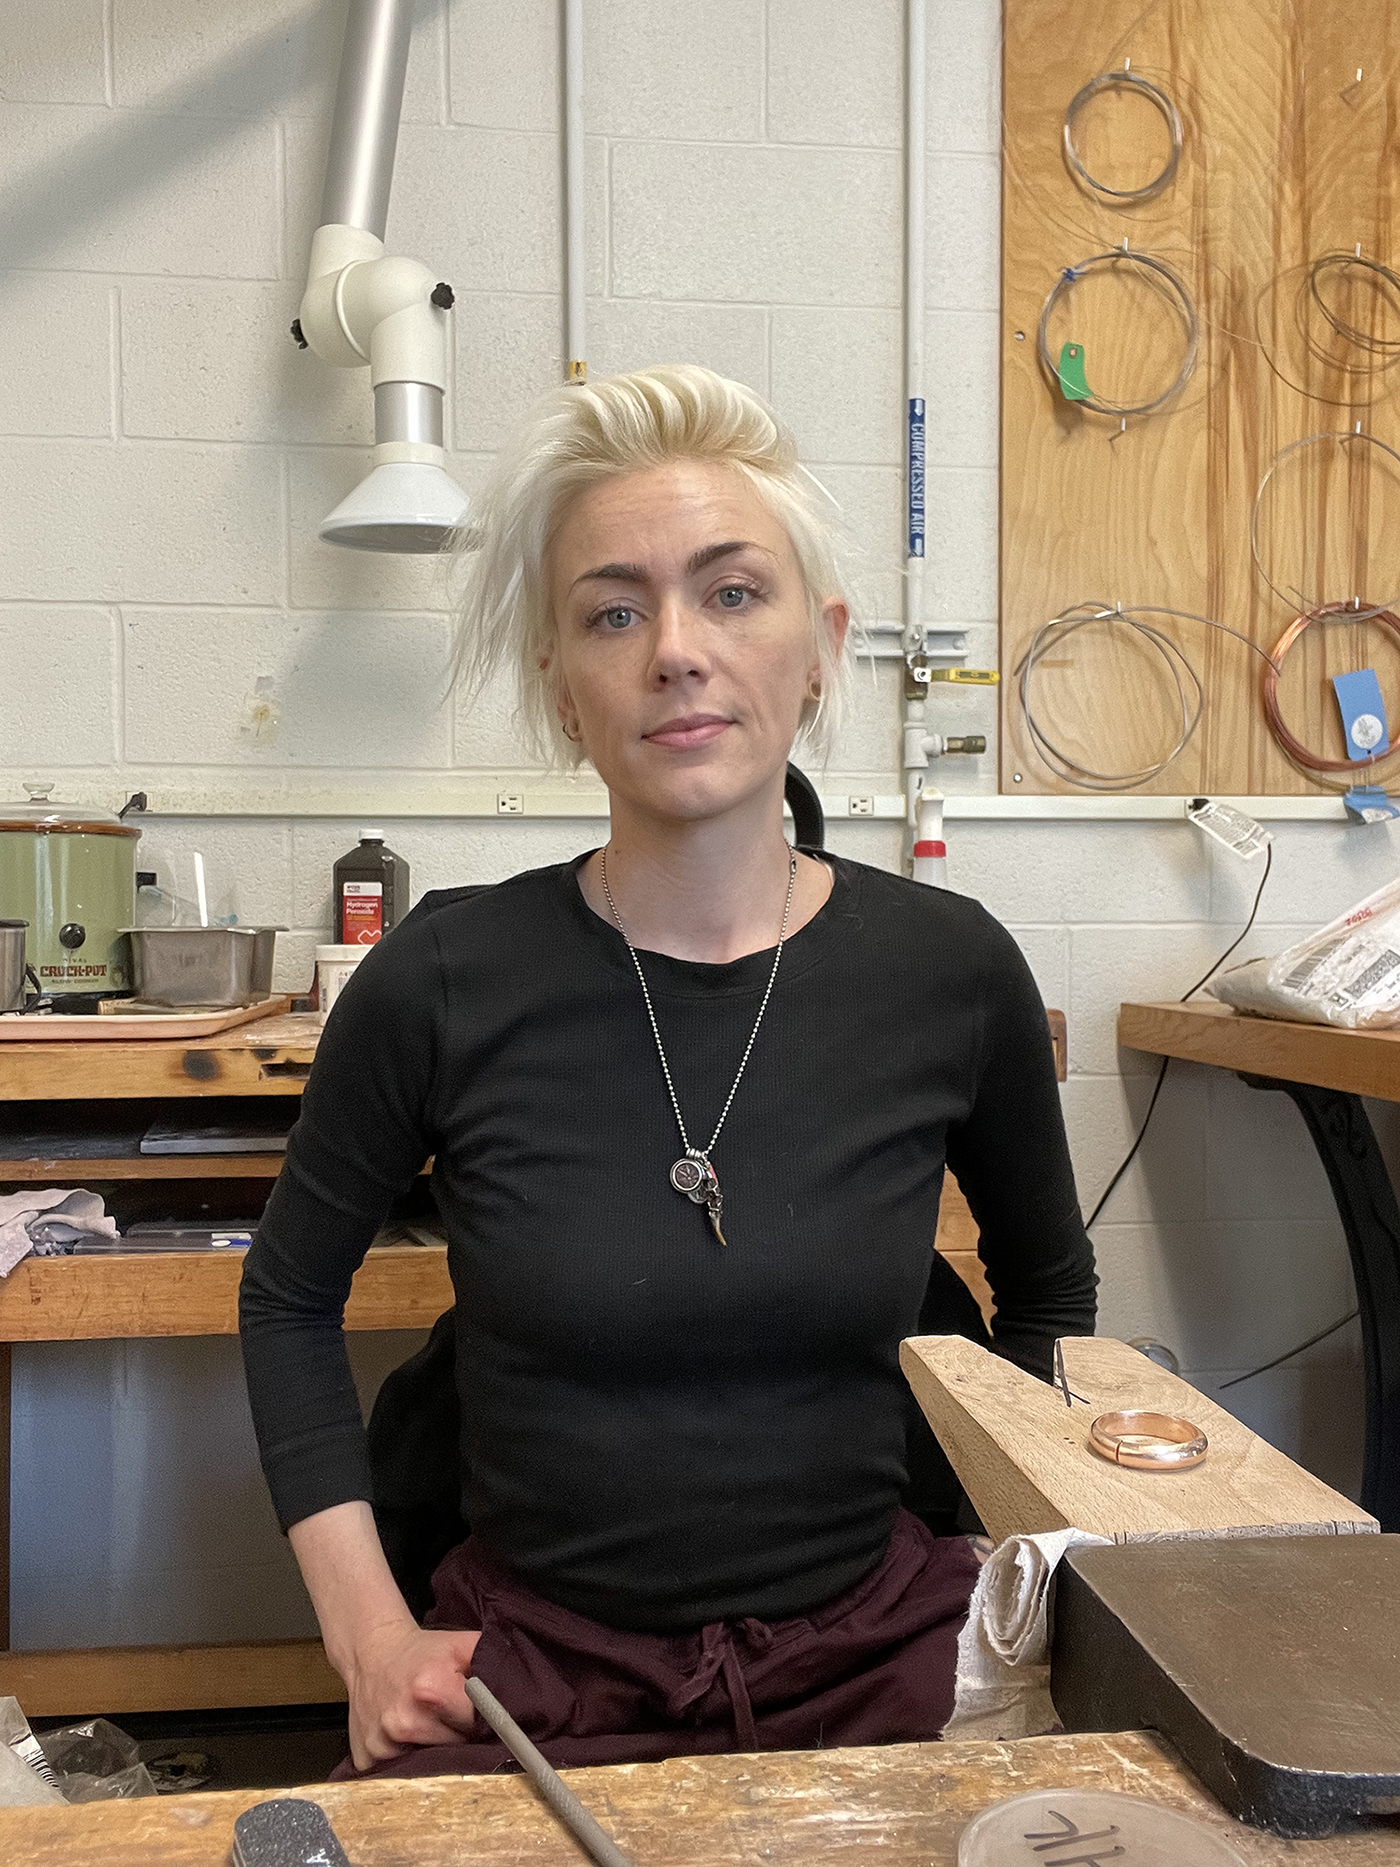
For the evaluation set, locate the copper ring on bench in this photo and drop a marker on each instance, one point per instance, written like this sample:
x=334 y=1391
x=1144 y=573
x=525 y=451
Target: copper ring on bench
x=1152 y=1442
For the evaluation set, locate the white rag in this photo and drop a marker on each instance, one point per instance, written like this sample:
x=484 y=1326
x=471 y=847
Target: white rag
x=83 y=1212
x=1004 y=1648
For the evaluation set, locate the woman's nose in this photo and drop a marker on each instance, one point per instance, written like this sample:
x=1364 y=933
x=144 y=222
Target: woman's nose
x=678 y=647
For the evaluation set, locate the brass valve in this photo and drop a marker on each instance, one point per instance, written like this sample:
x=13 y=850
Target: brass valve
x=919 y=673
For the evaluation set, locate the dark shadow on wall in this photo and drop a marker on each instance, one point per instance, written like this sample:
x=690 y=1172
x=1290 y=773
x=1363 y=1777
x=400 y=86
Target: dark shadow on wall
x=139 y=147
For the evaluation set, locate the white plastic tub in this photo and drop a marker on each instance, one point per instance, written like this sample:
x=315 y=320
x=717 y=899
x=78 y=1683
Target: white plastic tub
x=334 y=965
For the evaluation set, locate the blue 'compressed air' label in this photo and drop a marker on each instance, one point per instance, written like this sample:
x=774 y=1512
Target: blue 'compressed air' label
x=916 y=476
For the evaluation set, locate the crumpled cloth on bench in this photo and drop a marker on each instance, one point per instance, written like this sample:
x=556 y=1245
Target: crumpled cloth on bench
x=1003 y=1686
x=49 y=1223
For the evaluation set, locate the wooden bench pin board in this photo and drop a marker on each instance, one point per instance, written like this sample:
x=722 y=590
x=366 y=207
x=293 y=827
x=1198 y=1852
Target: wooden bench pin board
x=1024 y=1457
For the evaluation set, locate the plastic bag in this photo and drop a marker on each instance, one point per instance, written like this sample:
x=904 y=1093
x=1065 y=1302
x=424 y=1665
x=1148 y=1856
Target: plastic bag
x=95 y=1762
x=26 y=1780
x=1347 y=973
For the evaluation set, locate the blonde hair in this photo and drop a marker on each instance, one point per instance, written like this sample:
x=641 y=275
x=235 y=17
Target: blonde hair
x=579 y=436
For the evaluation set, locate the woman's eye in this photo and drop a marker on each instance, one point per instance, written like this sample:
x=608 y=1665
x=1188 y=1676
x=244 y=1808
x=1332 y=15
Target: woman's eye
x=732 y=596
x=616 y=616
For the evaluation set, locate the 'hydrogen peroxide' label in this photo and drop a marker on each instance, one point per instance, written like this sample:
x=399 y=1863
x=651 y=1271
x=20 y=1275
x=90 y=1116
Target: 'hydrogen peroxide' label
x=361 y=913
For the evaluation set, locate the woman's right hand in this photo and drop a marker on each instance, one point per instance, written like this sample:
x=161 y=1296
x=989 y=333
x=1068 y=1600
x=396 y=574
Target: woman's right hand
x=407 y=1686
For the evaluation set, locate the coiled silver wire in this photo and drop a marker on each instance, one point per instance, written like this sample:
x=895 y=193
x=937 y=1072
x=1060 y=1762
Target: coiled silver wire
x=1341 y=437
x=1175 y=289
x=1124 y=81
x=1190 y=689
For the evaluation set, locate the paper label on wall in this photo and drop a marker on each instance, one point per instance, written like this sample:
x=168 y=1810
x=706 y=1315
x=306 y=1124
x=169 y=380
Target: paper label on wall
x=361 y=913
x=1239 y=833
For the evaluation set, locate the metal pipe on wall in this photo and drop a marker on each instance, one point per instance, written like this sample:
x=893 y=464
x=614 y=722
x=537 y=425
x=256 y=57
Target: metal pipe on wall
x=923 y=811
x=575 y=282
x=368 y=102
x=915 y=166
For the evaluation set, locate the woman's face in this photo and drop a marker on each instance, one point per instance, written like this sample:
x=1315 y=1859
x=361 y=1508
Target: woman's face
x=684 y=643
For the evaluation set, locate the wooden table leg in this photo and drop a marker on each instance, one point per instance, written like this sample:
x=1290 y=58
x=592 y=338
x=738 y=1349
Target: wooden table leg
x=1346 y=1144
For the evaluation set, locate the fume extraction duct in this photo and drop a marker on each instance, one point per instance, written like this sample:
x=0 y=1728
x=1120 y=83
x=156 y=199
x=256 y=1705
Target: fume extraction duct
x=363 y=307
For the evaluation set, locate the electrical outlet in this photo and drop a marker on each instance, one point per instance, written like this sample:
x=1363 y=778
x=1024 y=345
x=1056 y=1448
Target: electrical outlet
x=862 y=804
x=509 y=804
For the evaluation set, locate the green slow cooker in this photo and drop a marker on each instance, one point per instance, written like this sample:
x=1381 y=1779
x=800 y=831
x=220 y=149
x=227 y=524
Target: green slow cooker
x=71 y=873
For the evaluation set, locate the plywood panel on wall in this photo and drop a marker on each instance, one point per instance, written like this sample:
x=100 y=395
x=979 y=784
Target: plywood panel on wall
x=1286 y=156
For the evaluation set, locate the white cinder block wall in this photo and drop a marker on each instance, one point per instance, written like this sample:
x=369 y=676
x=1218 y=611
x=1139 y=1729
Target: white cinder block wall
x=168 y=452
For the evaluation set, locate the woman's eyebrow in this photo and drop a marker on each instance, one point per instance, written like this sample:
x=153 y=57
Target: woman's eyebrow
x=611 y=573
x=708 y=554
x=637 y=573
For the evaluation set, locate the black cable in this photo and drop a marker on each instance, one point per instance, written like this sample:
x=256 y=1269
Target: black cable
x=1258 y=896
x=1127 y=1159
x=1205 y=977
x=1279 y=1360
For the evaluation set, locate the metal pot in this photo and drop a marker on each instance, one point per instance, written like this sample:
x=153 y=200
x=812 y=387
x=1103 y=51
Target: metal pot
x=71 y=873
x=12 y=964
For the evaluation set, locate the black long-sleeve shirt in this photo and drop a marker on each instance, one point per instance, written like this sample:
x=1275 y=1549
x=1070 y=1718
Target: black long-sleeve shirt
x=659 y=1431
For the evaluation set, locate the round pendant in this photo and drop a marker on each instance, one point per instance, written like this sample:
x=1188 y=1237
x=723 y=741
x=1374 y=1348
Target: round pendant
x=688 y=1177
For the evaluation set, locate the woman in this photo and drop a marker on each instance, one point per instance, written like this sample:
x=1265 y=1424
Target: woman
x=689 y=1101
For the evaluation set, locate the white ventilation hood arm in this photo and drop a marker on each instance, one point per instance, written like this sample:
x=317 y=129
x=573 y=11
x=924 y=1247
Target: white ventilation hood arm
x=364 y=307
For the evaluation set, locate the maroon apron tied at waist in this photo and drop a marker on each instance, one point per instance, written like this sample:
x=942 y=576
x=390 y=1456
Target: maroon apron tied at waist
x=875 y=1666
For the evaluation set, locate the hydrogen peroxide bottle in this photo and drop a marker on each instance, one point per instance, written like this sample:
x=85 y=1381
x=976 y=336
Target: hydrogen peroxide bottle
x=371 y=891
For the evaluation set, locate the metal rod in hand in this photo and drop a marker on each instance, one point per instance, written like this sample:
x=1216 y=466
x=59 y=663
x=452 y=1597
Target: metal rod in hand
x=556 y=1793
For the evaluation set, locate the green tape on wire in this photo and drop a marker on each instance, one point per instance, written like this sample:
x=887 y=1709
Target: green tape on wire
x=1072 y=384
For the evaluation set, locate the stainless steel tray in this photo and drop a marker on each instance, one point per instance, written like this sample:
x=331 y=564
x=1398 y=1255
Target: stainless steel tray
x=202 y=965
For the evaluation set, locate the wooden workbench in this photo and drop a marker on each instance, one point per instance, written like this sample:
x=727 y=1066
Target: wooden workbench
x=1362 y=1063
x=268 y=1058
x=1326 y=1071
x=178 y=1294
x=908 y=1803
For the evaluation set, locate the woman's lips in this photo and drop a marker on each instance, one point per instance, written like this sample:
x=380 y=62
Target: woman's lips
x=696 y=729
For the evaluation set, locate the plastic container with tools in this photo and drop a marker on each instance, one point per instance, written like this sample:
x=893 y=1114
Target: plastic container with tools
x=202 y=965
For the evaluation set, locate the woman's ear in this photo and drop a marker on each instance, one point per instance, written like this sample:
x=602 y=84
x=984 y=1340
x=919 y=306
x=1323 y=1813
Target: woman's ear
x=564 y=707
x=836 y=617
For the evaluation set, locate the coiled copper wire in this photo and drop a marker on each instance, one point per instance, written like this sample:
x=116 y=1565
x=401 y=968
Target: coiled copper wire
x=1300 y=755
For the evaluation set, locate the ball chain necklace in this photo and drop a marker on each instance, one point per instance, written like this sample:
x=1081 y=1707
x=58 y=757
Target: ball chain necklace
x=693 y=1174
